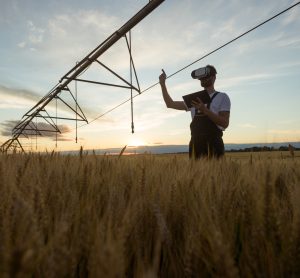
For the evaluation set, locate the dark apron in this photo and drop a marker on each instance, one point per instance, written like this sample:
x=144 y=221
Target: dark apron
x=206 y=137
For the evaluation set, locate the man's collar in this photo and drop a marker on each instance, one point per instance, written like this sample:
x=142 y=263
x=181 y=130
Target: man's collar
x=211 y=93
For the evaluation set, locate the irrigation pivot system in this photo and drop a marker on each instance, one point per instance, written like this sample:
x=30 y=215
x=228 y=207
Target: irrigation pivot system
x=29 y=125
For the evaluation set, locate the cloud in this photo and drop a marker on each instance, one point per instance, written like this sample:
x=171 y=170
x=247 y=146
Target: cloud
x=284 y=134
x=22 y=44
x=288 y=65
x=247 y=125
x=286 y=122
x=64 y=38
x=243 y=79
x=291 y=17
x=35 y=36
x=284 y=131
x=20 y=99
x=19 y=93
x=44 y=129
x=14 y=98
x=79 y=32
x=145 y=117
x=290 y=42
x=7 y=126
x=157 y=143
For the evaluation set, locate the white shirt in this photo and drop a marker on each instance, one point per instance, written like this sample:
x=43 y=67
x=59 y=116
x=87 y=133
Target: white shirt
x=220 y=103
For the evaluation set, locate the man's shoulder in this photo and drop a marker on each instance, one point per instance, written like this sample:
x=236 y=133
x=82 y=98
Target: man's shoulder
x=222 y=94
x=223 y=101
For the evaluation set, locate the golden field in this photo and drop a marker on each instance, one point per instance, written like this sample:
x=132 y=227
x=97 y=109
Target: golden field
x=149 y=216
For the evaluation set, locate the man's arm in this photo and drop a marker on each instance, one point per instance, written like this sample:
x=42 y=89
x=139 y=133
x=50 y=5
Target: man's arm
x=170 y=103
x=221 y=119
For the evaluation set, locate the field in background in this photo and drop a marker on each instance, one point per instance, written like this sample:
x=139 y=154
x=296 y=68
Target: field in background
x=264 y=155
x=150 y=216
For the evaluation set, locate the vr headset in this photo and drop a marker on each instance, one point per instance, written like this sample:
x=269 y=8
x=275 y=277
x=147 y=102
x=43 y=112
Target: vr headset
x=203 y=72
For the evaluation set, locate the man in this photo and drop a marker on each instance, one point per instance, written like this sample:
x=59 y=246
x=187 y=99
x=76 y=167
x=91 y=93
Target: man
x=208 y=120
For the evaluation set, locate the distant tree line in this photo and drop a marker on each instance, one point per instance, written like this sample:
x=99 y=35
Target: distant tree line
x=263 y=149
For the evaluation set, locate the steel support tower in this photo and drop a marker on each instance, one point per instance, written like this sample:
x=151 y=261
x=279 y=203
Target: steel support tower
x=28 y=126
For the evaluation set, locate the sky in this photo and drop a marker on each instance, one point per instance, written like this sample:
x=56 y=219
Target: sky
x=41 y=40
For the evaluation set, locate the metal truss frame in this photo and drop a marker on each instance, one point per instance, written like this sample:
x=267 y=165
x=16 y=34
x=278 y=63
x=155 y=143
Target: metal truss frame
x=27 y=127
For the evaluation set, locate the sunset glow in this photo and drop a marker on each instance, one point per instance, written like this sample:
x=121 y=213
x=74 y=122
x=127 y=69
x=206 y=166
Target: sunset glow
x=136 y=142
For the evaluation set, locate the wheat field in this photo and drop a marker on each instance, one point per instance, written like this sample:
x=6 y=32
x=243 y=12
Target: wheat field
x=149 y=216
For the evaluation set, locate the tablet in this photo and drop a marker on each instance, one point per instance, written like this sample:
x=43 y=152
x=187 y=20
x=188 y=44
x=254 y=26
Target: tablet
x=203 y=95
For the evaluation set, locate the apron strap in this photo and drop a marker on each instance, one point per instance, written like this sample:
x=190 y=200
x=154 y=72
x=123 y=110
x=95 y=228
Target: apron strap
x=208 y=105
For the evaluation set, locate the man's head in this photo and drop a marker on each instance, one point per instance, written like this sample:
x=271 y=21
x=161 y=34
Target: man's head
x=206 y=75
x=210 y=79
x=211 y=70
